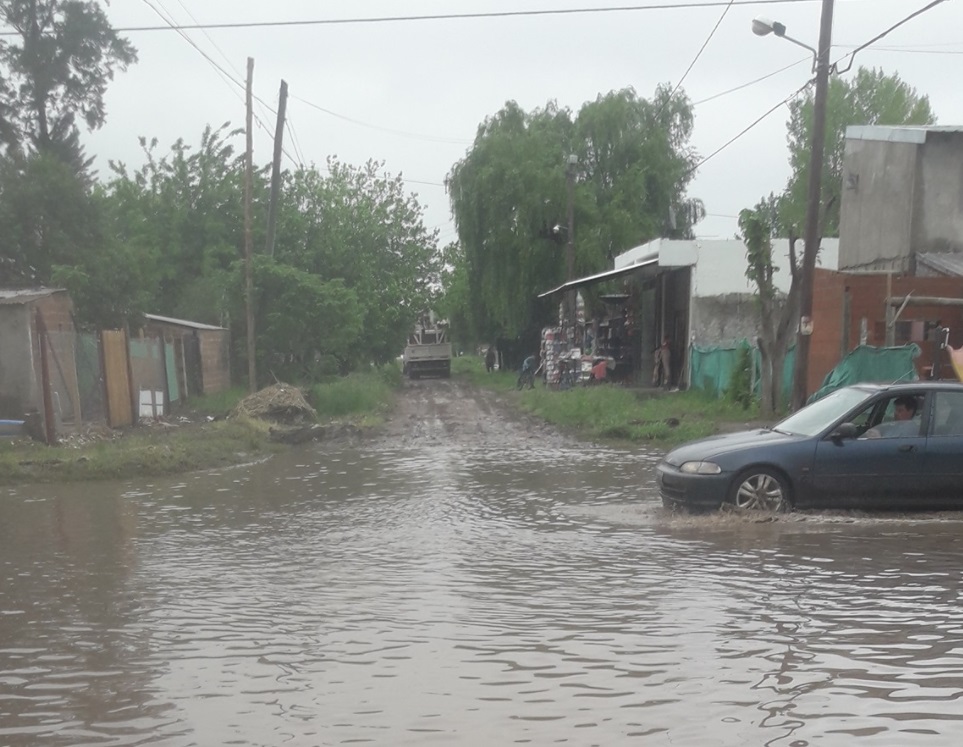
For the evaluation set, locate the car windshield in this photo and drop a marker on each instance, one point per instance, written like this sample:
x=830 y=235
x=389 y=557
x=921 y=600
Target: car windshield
x=822 y=413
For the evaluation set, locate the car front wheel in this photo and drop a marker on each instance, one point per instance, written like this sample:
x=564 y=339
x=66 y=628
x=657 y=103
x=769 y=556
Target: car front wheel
x=760 y=489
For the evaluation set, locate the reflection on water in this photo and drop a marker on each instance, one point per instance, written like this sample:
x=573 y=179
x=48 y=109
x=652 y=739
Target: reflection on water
x=458 y=595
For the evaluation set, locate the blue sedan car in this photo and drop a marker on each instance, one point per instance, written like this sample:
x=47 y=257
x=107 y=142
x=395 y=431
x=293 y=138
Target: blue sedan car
x=867 y=446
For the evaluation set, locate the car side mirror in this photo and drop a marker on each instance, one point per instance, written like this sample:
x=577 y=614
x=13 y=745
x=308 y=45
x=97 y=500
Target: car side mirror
x=844 y=431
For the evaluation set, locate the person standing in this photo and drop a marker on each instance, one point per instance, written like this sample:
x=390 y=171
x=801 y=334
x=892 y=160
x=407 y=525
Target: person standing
x=527 y=374
x=662 y=372
x=490 y=360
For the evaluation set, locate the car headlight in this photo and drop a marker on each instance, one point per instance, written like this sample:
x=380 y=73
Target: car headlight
x=700 y=468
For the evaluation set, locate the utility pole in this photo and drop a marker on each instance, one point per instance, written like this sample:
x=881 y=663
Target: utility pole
x=812 y=237
x=276 y=169
x=248 y=271
x=570 y=245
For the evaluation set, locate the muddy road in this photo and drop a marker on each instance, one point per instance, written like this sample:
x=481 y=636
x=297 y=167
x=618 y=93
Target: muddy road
x=468 y=577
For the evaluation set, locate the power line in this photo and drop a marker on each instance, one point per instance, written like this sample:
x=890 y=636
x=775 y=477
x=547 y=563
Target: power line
x=431 y=138
x=751 y=82
x=224 y=73
x=729 y=142
x=462 y=16
x=699 y=53
x=808 y=83
x=887 y=32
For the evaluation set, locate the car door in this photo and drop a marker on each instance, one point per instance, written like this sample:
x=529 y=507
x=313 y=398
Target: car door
x=872 y=472
x=944 y=449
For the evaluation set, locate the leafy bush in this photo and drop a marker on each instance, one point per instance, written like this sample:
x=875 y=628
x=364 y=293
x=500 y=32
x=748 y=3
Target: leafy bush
x=739 y=391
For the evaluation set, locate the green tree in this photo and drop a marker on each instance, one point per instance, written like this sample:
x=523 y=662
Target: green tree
x=871 y=97
x=57 y=68
x=358 y=224
x=777 y=315
x=305 y=326
x=509 y=198
x=46 y=218
x=183 y=214
x=54 y=71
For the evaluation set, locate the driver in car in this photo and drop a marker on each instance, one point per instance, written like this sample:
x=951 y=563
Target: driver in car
x=903 y=422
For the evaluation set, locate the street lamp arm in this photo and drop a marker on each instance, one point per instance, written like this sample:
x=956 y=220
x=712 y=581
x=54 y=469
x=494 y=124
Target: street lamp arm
x=804 y=46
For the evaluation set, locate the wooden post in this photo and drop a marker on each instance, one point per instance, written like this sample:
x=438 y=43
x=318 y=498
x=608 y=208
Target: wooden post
x=103 y=375
x=50 y=423
x=133 y=395
x=248 y=272
x=166 y=377
x=276 y=169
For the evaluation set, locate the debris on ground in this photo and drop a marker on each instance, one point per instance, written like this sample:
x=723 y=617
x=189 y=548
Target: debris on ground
x=89 y=433
x=279 y=403
x=316 y=432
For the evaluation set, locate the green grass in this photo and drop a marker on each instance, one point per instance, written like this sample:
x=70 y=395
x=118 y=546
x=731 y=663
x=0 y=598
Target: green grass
x=368 y=395
x=217 y=405
x=472 y=368
x=146 y=452
x=611 y=412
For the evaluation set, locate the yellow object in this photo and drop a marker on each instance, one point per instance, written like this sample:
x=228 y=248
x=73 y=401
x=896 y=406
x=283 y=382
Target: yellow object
x=956 y=358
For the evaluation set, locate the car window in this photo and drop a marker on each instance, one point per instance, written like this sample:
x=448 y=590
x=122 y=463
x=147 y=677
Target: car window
x=948 y=414
x=822 y=413
x=898 y=416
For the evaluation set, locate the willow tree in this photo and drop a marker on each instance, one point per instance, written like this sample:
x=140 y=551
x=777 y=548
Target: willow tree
x=509 y=197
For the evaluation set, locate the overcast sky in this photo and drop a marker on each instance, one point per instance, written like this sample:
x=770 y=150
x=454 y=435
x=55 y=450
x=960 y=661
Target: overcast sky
x=412 y=93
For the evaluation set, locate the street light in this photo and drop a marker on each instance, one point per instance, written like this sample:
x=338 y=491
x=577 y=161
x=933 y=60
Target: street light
x=761 y=27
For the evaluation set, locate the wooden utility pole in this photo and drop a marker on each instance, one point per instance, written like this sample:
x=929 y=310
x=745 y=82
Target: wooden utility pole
x=276 y=169
x=248 y=271
x=808 y=269
x=570 y=296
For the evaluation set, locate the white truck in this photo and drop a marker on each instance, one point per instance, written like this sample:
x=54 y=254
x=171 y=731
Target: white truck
x=428 y=351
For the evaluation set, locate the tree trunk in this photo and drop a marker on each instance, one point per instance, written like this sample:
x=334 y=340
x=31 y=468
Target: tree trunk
x=778 y=363
x=766 y=405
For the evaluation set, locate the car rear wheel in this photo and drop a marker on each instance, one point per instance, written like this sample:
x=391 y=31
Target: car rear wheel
x=760 y=489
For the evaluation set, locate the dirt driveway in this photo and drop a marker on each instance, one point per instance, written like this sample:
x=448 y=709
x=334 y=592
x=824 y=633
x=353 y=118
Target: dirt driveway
x=430 y=411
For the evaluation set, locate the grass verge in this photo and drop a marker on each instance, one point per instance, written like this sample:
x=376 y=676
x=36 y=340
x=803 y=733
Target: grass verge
x=139 y=452
x=609 y=412
x=157 y=449
x=364 y=398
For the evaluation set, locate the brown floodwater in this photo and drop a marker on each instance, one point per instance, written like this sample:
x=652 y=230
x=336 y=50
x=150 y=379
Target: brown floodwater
x=461 y=592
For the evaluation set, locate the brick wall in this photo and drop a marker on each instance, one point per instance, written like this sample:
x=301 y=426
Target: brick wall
x=867 y=294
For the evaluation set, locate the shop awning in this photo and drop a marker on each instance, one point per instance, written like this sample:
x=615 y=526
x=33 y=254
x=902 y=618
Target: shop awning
x=598 y=277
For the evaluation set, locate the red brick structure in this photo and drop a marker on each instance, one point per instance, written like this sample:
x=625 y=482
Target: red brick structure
x=850 y=308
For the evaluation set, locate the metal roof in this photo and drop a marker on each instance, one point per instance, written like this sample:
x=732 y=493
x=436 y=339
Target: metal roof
x=898 y=134
x=181 y=322
x=947 y=263
x=589 y=279
x=15 y=296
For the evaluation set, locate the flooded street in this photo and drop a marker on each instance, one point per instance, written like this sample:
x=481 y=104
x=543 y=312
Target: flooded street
x=469 y=578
